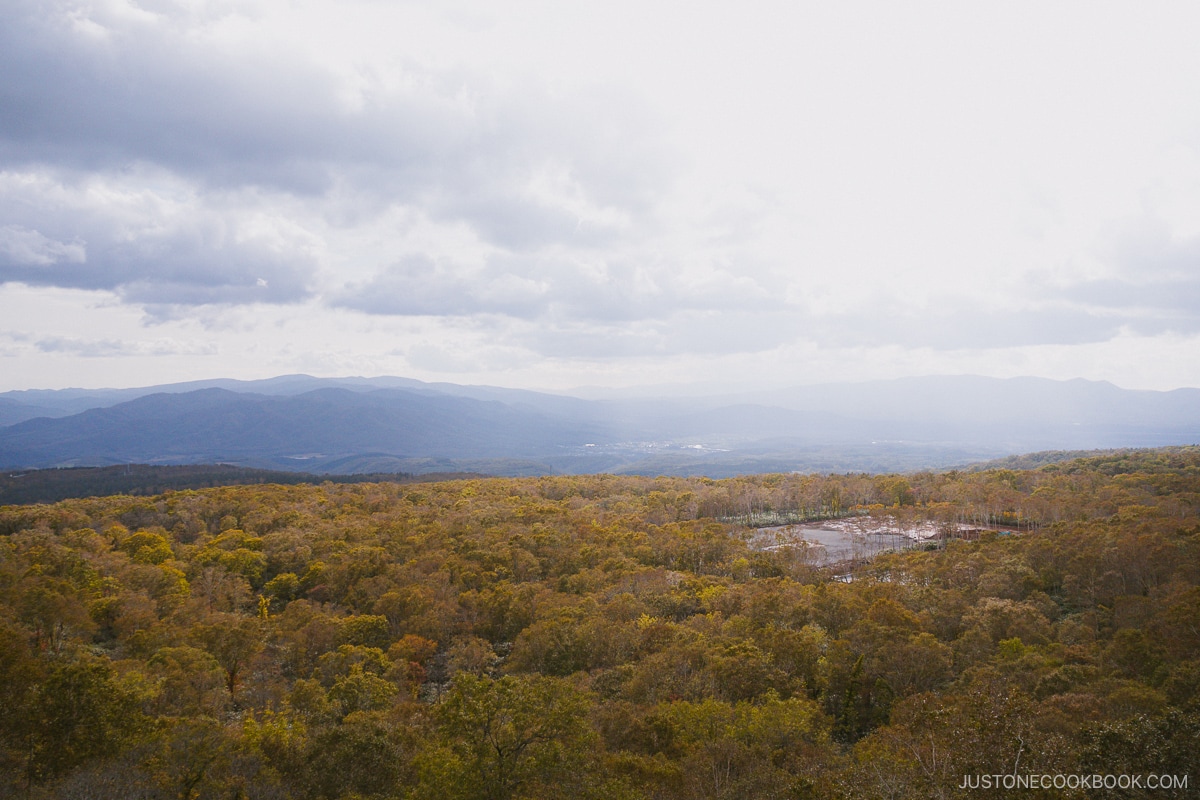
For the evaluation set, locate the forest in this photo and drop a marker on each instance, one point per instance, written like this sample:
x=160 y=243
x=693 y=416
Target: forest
x=602 y=637
x=52 y=485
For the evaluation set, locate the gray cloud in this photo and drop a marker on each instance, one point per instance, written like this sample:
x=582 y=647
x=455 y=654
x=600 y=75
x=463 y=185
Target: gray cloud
x=1153 y=306
x=146 y=248
x=419 y=286
x=145 y=92
x=964 y=325
x=111 y=348
x=29 y=248
x=1146 y=251
x=563 y=287
x=672 y=334
x=150 y=154
x=1156 y=286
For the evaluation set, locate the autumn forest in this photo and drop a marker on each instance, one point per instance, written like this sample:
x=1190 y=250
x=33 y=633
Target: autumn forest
x=624 y=638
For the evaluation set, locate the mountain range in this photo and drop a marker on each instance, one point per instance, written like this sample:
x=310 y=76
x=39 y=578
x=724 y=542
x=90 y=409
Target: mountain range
x=389 y=424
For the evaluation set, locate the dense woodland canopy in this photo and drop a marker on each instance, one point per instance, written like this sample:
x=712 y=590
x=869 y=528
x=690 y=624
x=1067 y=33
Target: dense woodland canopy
x=600 y=637
x=52 y=485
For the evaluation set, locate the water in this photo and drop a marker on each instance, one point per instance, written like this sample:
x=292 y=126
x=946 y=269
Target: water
x=828 y=544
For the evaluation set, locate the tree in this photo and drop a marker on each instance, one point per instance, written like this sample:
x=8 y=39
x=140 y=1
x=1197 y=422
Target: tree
x=369 y=753
x=191 y=755
x=232 y=640
x=193 y=682
x=505 y=736
x=81 y=711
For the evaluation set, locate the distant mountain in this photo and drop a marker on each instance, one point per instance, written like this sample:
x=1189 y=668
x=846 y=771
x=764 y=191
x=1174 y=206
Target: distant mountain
x=14 y=411
x=360 y=425
x=294 y=432
x=974 y=400
x=32 y=403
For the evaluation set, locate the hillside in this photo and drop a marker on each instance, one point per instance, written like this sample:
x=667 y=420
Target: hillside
x=343 y=426
x=302 y=432
x=585 y=637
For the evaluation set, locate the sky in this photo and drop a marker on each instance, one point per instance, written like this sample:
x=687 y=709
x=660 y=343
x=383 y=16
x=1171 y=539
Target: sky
x=608 y=194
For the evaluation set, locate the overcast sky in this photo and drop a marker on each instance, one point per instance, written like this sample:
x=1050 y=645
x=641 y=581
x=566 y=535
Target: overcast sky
x=556 y=194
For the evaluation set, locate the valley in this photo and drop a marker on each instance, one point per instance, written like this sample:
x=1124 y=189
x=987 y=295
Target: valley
x=605 y=636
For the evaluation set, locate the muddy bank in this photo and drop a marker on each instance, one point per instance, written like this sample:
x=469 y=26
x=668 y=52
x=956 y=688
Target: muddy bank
x=857 y=538
x=822 y=543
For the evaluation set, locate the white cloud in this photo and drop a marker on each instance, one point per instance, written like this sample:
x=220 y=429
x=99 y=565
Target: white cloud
x=29 y=248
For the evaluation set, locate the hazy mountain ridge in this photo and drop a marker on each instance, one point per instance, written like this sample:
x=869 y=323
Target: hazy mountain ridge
x=292 y=431
x=353 y=425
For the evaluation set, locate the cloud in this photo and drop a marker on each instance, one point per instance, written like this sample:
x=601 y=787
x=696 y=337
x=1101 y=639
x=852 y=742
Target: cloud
x=183 y=156
x=1154 y=281
x=668 y=335
x=25 y=247
x=89 y=89
x=566 y=288
x=1135 y=278
x=964 y=324
x=443 y=358
x=149 y=244
x=111 y=348
x=607 y=183
x=419 y=286
x=1166 y=303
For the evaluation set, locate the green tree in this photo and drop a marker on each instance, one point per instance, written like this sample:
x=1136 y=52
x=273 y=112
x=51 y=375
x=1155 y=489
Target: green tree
x=232 y=640
x=82 y=711
x=191 y=682
x=368 y=754
x=514 y=735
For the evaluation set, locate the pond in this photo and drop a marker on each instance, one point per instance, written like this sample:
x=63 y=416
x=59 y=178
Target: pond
x=836 y=540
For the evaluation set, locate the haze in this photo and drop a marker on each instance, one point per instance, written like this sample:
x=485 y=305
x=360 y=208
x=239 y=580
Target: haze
x=604 y=194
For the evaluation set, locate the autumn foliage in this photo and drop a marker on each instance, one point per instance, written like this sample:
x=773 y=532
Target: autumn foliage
x=600 y=637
